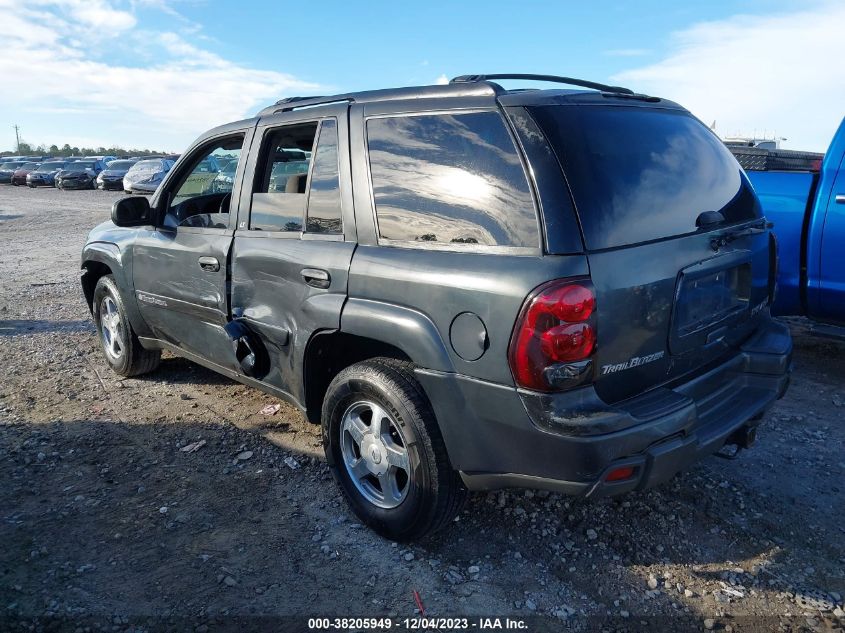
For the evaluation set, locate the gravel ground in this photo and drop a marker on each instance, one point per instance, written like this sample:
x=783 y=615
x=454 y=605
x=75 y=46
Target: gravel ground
x=108 y=521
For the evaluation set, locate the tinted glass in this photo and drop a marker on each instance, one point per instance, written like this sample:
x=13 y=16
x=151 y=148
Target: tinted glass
x=278 y=203
x=641 y=174
x=324 y=198
x=450 y=178
x=202 y=178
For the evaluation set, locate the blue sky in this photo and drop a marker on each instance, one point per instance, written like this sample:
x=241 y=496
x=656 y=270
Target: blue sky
x=156 y=73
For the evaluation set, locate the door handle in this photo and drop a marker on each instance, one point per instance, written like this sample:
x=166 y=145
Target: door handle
x=840 y=198
x=316 y=277
x=209 y=264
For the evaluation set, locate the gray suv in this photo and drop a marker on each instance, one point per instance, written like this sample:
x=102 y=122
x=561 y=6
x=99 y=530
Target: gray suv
x=470 y=288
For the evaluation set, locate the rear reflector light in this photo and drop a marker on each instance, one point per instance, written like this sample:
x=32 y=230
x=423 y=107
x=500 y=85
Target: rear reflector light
x=556 y=326
x=620 y=474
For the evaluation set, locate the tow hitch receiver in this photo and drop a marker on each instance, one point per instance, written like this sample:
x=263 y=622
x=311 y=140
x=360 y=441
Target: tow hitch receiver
x=740 y=439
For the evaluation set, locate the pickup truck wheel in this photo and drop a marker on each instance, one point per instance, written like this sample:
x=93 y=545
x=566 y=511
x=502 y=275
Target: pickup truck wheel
x=385 y=450
x=121 y=348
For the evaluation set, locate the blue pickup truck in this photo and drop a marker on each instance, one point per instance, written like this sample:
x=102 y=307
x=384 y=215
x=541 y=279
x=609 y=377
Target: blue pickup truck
x=806 y=203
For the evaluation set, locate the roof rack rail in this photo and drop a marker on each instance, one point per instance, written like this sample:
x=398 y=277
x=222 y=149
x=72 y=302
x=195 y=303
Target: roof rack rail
x=464 y=79
x=296 y=103
x=286 y=100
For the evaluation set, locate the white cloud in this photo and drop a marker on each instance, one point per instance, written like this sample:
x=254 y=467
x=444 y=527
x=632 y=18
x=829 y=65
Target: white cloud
x=102 y=17
x=782 y=74
x=442 y=80
x=165 y=92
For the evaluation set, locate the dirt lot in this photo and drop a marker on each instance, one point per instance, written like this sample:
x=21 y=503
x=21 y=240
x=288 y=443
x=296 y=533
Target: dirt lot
x=106 y=522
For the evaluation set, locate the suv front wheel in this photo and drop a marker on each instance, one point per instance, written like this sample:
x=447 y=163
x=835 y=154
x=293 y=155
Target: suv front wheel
x=121 y=348
x=385 y=450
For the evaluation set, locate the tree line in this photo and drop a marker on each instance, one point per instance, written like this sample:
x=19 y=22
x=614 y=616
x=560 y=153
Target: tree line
x=25 y=149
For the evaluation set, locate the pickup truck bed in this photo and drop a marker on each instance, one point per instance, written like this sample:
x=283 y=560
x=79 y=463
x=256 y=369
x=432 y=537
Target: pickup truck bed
x=805 y=199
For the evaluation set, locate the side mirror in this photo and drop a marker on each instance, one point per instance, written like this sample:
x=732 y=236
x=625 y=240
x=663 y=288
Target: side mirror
x=131 y=211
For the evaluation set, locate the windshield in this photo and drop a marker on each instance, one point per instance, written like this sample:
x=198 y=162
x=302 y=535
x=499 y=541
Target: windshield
x=13 y=165
x=82 y=164
x=640 y=174
x=29 y=166
x=146 y=166
x=51 y=166
x=120 y=164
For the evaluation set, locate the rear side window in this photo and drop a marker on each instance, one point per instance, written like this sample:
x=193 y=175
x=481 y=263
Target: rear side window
x=324 y=197
x=454 y=179
x=278 y=202
x=640 y=174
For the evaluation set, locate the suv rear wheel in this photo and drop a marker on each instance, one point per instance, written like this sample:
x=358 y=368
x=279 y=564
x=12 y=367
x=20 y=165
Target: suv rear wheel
x=385 y=450
x=121 y=348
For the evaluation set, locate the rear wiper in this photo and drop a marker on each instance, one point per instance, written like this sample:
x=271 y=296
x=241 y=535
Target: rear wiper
x=729 y=235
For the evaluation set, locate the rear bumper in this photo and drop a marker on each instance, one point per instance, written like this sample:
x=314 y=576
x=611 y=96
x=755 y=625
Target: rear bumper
x=500 y=438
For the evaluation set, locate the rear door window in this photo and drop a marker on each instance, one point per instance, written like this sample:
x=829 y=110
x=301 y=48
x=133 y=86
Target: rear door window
x=278 y=202
x=324 y=211
x=450 y=179
x=639 y=174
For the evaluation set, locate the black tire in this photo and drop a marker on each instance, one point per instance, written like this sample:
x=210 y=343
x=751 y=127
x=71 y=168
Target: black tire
x=133 y=360
x=435 y=493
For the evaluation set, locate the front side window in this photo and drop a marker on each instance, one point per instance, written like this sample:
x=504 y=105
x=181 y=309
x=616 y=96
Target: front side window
x=201 y=197
x=278 y=200
x=202 y=178
x=450 y=178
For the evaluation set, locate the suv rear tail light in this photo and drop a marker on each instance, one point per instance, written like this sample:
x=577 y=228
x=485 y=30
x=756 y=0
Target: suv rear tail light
x=554 y=335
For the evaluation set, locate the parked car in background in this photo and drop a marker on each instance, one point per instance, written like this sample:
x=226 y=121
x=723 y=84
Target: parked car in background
x=225 y=178
x=8 y=169
x=45 y=175
x=146 y=175
x=112 y=176
x=290 y=167
x=610 y=325
x=19 y=177
x=103 y=159
x=201 y=178
x=81 y=174
x=803 y=194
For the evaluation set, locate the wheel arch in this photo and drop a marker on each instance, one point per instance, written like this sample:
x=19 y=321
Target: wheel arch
x=370 y=329
x=331 y=351
x=98 y=260
x=106 y=258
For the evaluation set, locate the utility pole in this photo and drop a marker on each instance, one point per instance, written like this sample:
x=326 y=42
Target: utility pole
x=17 y=138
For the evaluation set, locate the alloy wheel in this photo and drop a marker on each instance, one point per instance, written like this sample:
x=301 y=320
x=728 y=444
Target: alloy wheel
x=375 y=454
x=111 y=328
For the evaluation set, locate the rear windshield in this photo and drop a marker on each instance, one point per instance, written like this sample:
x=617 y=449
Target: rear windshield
x=640 y=174
x=145 y=166
x=120 y=164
